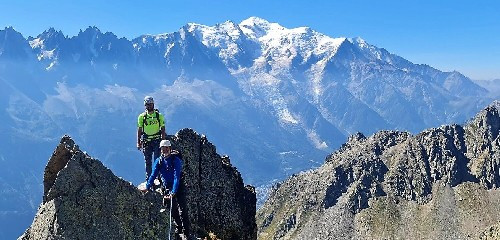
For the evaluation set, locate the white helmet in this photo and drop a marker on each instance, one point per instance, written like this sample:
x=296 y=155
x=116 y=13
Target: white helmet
x=165 y=143
x=148 y=99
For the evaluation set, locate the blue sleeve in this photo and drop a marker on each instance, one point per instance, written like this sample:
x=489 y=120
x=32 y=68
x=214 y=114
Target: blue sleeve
x=177 y=174
x=154 y=173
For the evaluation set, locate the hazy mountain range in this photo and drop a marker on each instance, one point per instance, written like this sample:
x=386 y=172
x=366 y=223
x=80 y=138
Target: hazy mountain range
x=493 y=87
x=276 y=100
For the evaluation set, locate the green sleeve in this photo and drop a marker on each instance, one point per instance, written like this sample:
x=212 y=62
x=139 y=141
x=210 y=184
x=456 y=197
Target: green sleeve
x=140 y=119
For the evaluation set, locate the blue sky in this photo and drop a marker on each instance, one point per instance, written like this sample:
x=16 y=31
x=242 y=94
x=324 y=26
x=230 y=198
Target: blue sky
x=448 y=35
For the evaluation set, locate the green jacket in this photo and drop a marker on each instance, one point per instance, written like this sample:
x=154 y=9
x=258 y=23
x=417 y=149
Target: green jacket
x=151 y=124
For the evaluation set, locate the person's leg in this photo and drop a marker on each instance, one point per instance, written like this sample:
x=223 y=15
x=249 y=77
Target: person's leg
x=181 y=209
x=148 y=151
x=155 y=144
x=176 y=214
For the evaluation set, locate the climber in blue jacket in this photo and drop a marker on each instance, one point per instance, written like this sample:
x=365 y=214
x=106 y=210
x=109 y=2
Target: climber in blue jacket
x=169 y=166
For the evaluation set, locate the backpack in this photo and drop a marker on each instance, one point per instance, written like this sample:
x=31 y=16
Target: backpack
x=176 y=153
x=157 y=116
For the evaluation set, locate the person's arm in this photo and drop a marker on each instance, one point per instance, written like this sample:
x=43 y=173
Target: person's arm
x=139 y=135
x=154 y=174
x=139 y=131
x=163 y=134
x=177 y=175
x=162 y=127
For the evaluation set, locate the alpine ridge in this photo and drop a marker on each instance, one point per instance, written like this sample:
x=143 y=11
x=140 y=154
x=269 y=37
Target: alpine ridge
x=442 y=183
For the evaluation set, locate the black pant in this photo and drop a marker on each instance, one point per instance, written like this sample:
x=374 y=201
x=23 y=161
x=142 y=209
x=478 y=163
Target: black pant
x=178 y=213
x=151 y=147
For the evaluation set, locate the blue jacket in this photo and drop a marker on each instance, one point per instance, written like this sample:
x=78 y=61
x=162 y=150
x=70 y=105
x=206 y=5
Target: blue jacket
x=170 y=169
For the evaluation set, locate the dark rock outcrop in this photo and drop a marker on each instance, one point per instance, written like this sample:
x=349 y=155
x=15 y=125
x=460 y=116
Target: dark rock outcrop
x=216 y=199
x=84 y=200
x=440 y=184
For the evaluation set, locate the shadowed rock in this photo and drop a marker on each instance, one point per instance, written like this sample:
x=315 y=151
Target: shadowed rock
x=216 y=199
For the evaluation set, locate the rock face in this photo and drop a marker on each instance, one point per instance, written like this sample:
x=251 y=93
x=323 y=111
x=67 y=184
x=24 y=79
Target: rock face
x=216 y=199
x=440 y=184
x=84 y=200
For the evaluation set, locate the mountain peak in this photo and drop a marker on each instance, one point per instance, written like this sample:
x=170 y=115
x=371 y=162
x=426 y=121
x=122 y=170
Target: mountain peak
x=257 y=27
x=191 y=26
x=487 y=122
x=496 y=103
x=51 y=32
x=10 y=30
x=228 y=23
x=255 y=21
x=89 y=30
x=357 y=40
x=228 y=26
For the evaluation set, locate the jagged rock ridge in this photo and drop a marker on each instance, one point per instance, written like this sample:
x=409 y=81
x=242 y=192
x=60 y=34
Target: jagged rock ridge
x=440 y=184
x=84 y=200
x=216 y=199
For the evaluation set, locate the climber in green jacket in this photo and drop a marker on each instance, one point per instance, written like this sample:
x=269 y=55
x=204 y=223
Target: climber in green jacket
x=150 y=131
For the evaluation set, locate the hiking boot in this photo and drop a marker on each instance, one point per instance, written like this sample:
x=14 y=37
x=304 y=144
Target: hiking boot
x=180 y=236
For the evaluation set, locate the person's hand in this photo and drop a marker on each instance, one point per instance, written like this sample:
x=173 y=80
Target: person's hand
x=169 y=196
x=139 y=145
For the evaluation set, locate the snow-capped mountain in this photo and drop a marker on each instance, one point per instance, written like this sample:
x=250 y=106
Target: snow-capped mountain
x=276 y=100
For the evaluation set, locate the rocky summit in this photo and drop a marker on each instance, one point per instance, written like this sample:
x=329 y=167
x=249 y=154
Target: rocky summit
x=442 y=183
x=84 y=200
